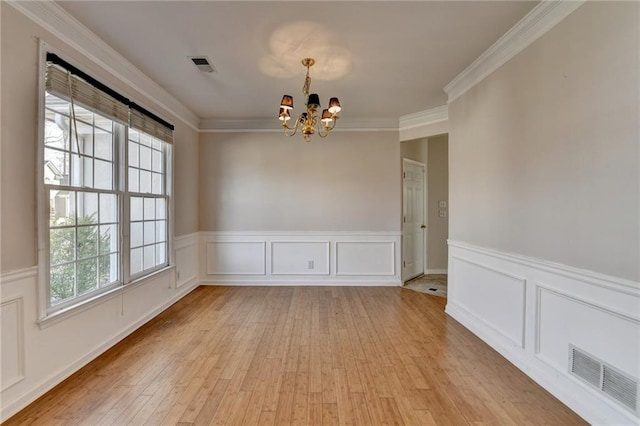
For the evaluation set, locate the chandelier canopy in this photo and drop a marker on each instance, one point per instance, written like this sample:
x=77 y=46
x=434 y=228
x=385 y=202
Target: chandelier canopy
x=309 y=120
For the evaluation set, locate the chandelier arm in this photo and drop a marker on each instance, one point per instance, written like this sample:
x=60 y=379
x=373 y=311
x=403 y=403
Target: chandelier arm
x=286 y=127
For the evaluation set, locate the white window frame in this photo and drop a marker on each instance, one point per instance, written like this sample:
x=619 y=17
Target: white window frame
x=47 y=313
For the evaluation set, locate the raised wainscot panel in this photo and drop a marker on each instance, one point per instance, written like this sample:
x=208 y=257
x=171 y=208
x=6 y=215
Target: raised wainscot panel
x=365 y=258
x=491 y=295
x=12 y=343
x=300 y=258
x=236 y=258
x=186 y=264
x=564 y=319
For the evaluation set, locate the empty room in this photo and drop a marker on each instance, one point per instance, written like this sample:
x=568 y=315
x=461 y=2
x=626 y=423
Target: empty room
x=319 y=212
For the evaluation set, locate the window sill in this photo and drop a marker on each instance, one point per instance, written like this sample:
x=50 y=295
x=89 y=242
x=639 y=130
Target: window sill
x=72 y=310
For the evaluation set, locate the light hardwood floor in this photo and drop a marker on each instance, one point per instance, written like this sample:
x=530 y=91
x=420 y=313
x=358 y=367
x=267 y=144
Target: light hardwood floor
x=300 y=355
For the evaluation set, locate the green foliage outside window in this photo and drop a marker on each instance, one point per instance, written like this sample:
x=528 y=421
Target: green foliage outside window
x=82 y=269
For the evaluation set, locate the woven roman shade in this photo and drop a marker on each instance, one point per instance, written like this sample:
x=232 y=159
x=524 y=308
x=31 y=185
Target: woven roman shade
x=66 y=85
x=145 y=123
x=68 y=82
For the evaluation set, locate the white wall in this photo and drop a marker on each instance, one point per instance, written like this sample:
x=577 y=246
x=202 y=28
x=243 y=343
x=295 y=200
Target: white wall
x=268 y=182
x=544 y=205
x=35 y=357
x=544 y=152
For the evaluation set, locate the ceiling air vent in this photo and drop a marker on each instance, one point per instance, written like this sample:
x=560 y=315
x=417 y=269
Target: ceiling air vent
x=607 y=379
x=203 y=64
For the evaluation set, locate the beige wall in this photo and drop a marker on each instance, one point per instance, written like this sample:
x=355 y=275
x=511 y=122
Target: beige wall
x=19 y=139
x=438 y=190
x=544 y=152
x=268 y=182
x=433 y=152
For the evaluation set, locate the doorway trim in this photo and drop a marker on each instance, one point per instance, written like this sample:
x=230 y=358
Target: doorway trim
x=425 y=216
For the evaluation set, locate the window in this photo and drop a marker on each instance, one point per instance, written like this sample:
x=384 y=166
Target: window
x=101 y=152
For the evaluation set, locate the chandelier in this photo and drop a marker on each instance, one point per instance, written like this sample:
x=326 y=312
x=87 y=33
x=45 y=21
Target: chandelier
x=309 y=120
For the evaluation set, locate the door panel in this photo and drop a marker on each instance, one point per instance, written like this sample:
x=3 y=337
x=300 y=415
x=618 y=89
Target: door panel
x=413 y=219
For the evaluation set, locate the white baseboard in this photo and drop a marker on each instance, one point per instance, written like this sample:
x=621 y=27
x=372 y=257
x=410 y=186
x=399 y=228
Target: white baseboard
x=530 y=311
x=305 y=282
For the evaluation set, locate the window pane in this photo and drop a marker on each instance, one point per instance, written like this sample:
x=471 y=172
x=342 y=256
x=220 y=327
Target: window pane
x=108 y=270
x=145 y=139
x=161 y=210
x=136 y=261
x=108 y=208
x=134 y=135
x=87 y=208
x=134 y=180
x=145 y=182
x=84 y=144
x=74 y=169
x=136 y=208
x=56 y=131
x=157 y=161
x=161 y=230
x=149 y=208
x=62 y=207
x=104 y=174
x=133 y=154
x=161 y=254
x=87 y=241
x=149 y=233
x=62 y=282
x=56 y=104
x=56 y=167
x=103 y=123
x=156 y=184
x=62 y=245
x=149 y=254
x=136 y=234
x=145 y=157
x=83 y=114
x=108 y=239
x=87 y=275
x=104 y=145
x=87 y=172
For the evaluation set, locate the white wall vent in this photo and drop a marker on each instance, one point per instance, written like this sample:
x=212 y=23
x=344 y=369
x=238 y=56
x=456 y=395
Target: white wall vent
x=203 y=64
x=607 y=379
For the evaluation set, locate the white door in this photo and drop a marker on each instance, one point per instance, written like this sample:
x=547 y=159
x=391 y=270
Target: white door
x=413 y=228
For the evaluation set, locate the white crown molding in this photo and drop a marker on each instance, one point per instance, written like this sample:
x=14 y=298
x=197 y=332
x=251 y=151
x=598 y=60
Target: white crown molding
x=424 y=118
x=60 y=23
x=210 y=125
x=538 y=21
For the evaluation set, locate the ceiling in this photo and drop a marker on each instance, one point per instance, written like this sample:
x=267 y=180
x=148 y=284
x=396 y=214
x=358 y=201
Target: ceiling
x=383 y=59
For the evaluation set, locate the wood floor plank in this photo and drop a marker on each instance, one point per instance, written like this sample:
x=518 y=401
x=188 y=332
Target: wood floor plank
x=303 y=356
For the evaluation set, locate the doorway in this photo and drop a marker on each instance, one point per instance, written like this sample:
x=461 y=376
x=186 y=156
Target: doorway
x=431 y=152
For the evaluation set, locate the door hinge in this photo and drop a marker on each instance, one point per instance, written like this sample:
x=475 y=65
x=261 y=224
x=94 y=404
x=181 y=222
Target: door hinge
x=404 y=219
x=404 y=175
x=404 y=263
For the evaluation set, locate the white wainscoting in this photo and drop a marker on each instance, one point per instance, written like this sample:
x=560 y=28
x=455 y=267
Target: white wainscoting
x=531 y=310
x=185 y=248
x=36 y=358
x=300 y=258
x=12 y=349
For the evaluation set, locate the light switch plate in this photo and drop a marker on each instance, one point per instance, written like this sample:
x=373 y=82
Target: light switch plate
x=442 y=213
x=442 y=204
